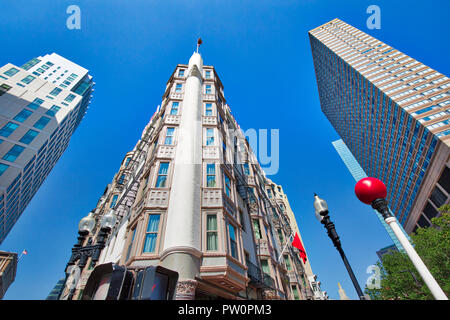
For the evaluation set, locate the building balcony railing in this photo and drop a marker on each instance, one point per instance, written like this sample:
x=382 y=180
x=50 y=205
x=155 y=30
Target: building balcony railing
x=254 y=273
x=268 y=281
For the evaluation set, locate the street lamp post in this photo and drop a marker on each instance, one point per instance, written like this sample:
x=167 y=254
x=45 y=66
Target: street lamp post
x=373 y=191
x=81 y=252
x=321 y=208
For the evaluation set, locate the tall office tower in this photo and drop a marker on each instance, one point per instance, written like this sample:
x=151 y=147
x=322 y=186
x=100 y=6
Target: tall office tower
x=307 y=282
x=41 y=104
x=358 y=174
x=392 y=113
x=191 y=197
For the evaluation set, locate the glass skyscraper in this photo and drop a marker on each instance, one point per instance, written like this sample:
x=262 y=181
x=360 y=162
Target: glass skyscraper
x=358 y=173
x=393 y=114
x=41 y=105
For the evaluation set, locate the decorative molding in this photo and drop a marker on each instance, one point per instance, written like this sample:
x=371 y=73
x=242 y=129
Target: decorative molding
x=180 y=249
x=185 y=290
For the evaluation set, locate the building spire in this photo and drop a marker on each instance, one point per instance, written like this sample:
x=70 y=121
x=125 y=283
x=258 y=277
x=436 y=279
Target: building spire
x=342 y=293
x=199 y=42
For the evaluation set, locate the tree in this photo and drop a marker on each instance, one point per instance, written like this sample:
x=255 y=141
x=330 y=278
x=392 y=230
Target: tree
x=400 y=279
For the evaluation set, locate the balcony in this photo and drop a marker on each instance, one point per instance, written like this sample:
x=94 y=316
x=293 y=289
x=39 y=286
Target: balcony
x=268 y=281
x=263 y=248
x=166 y=151
x=176 y=95
x=212 y=197
x=210 y=120
x=172 y=119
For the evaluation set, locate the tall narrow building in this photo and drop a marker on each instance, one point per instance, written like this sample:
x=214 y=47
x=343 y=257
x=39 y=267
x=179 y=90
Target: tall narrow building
x=191 y=197
x=41 y=105
x=392 y=112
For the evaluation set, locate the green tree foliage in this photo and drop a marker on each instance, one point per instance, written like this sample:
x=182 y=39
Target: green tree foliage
x=400 y=279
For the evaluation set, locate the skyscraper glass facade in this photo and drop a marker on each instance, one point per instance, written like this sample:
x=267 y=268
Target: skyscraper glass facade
x=371 y=94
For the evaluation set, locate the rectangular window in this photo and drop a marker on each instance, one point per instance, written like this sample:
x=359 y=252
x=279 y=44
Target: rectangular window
x=181 y=73
x=169 y=136
x=241 y=219
x=209 y=136
x=211 y=175
x=178 y=87
x=211 y=232
x=174 y=109
x=70 y=97
x=4 y=88
x=151 y=234
x=208 y=109
x=41 y=123
x=207 y=74
x=28 y=79
x=280 y=235
x=35 y=104
x=287 y=262
x=227 y=185
x=13 y=153
x=29 y=136
x=162 y=175
x=23 y=115
x=208 y=89
x=55 y=92
x=11 y=72
x=121 y=179
x=114 y=201
x=256 y=229
x=246 y=169
x=3 y=168
x=265 y=266
x=233 y=244
x=53 y=110
x=8 y=129
x=295 y=292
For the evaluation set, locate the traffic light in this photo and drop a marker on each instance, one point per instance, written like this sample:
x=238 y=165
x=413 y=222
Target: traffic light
x=112 y=282
x=155 y=283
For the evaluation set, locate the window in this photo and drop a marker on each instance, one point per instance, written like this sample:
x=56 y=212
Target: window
x=209 y=136
x=280 y=235
x=169 y=136
x=207 y=74
x=211 y=175
x=174 y=109
x=11 y=72
x=287 y=262
x=181 y=73
x=53 y=110
x=121 y=179
x=227 y=185
x=295 y=292
x=178 y=87
x=151 y=234
x=4 y=88
x=130 y=245
x=233 y=244
x=29 y=136
x=13 y=153
x=211 y=232
x=23 y=115
x=246 y=169
x=55 y=92
x=127 y=161
x=3 y=168
x=265 y=266
x=114 y=201
x=256 y=229
x=41 y=123
x=208 y=89
x=35 y=104
x=28 y=79
x=208 y=109
x=162 y=175
x=241 y=219
x=8 y=129
x=49 y=63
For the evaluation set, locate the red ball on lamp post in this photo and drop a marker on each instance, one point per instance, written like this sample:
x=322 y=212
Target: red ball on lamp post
x=369 y=189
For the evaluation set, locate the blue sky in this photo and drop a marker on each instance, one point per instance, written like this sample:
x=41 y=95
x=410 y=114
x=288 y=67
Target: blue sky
x=261 y=52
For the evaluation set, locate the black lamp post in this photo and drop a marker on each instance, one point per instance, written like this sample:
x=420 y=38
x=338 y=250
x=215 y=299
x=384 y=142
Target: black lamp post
x=81 y=253
x=321 y=208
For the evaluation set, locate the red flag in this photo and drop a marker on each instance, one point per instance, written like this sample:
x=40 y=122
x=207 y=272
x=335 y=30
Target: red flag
x=298 y=244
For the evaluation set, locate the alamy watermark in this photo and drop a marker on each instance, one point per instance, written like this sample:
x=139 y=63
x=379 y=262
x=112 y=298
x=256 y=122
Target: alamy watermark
x=374 y=20
x=374 y=281
x=74 y=20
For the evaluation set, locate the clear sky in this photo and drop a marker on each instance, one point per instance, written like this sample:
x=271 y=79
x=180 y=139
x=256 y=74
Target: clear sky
x=262 y=54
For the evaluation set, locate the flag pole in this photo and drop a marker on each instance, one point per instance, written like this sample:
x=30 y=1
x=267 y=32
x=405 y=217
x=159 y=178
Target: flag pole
x=287 y=242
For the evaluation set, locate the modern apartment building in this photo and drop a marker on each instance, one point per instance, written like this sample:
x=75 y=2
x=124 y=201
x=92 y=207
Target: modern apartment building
x=392 y=112
x=191 y=197
x=41 y=104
